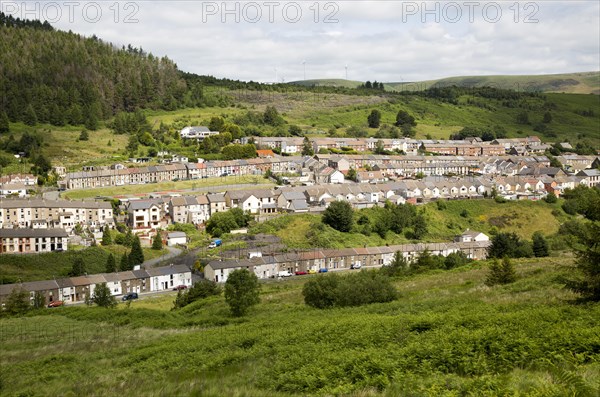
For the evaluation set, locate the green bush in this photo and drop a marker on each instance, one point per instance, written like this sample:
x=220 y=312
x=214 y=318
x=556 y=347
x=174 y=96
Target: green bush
x=356 y=289
x=200 y=290
x=501 y=273
x=241 y=291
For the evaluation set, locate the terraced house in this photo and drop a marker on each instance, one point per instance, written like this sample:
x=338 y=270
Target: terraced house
x=25 y=241
x=64 y=214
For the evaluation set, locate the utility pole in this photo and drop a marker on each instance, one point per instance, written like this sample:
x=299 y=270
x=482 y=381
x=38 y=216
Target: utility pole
x=346 y=67
x=304 y=66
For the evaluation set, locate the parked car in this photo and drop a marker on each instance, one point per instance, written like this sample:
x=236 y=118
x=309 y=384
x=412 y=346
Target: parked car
x=301 y=273
x=225 y=174
x=180 y=287
x=312 y=271
x=284 y=273
x=56 y=303
x=355 y=266
x=129 y=296
x=323 y=270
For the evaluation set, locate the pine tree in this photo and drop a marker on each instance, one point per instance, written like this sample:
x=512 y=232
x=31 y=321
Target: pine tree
x=17 y=302
x=106 y=236
x=102 y=296
x=78 y=268
x=124 y=265
x=540 y=245
x=136 y=256
x=374 y=118
x=495 y=273
x=39 y=300
x=4 y=125
x=501 y=273
x=307 y=149
x=157 y=243
x=111 y=264
x=128 y=239
x=30 y=117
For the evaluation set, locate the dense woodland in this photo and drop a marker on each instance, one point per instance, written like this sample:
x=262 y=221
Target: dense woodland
x=63 y=78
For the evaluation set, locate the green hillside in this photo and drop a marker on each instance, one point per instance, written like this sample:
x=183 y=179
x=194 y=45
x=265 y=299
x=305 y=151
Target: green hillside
x=444 y=223
x=573 y=83
x=448 y=334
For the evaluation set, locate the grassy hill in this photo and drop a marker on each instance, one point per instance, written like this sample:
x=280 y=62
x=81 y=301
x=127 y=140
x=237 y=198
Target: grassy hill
x=573 y=83
x=521 y=217
x=53 y=265
x=448 y=334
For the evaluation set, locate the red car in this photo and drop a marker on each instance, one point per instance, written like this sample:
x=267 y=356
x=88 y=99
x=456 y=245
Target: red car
x=180 y=287
x=56 y=304
x=300 y=273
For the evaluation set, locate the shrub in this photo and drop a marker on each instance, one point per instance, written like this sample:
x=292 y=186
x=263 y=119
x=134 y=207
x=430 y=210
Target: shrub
x=456 y=259
x=364 y=288
x=551 y=198
x=399 y=266
x=102 y=296
x=200 y=290
x=339 y=216
x=540 y=245
x=17 y=302
x=586 y=281
x=509 y=244
x=157 y=243
x=241 y=291
x=320 y=292
x=326 y=291
x=501 y=273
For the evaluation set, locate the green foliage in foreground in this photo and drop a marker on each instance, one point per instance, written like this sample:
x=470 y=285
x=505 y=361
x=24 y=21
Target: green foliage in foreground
x=447 y=335
x=326 y=291
x=586 y=281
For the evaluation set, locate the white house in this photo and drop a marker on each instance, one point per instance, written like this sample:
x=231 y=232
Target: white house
x=199 y=132
x=176 y=238
x=219 y=271
x=471 y=236
x=165 y=278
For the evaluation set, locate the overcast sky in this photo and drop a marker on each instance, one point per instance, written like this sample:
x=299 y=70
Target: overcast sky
x=377 y=40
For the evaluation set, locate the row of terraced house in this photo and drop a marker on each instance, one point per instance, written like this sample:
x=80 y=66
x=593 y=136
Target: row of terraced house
x=78 y=289
x=408 y=165
x=473 y=244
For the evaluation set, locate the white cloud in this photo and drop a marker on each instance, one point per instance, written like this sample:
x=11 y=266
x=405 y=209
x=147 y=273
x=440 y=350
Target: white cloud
x=378 y=40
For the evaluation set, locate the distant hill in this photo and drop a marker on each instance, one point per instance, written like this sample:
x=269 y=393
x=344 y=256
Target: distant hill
x=328 y=83
x=572 y=83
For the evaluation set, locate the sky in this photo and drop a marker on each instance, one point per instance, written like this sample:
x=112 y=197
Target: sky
x=387 y=40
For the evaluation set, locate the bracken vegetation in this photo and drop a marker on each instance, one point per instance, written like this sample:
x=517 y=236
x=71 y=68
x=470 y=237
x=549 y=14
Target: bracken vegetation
x=447 y=334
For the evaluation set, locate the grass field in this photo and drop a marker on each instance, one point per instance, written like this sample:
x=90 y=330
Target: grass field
x=48 y=266
x=182 y=187
x=523 y=217
x=447 y=335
